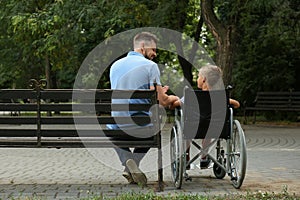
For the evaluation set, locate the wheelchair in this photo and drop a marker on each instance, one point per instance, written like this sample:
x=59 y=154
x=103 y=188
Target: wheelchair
x=207 y=115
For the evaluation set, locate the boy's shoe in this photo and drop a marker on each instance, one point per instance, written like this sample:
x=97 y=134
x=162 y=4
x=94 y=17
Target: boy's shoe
x=204 y=163
x=187 y=159
x=137 y=175
x=128 y=176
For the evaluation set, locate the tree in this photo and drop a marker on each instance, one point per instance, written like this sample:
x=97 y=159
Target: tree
x=51 y=39
x=184 y=17
x=269 y=48
x=224 y=30
x=37 y=31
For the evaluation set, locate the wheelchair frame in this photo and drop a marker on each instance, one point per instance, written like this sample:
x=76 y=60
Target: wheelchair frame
x=230 y=159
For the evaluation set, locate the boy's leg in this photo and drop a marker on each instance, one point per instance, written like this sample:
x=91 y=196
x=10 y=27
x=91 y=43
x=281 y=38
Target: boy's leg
x=204 y=160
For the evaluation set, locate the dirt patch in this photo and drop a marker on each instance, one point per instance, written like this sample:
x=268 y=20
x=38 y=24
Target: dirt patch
x=292 y=187
x=276 y=124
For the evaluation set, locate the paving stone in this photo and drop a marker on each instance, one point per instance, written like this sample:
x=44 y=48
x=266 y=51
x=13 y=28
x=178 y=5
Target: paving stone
x=273 y=157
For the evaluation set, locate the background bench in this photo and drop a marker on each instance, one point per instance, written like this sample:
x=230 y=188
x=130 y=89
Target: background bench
x=274 y=101
x=66 y=118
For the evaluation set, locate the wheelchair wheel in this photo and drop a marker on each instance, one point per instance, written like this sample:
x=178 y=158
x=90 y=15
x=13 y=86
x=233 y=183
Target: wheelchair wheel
x=176 y=153
x=237 y=155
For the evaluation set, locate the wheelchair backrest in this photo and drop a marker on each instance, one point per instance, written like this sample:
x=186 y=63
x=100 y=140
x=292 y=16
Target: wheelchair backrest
x=206 y=114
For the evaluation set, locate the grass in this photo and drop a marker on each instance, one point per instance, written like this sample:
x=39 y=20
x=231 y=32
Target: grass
x=249 y=196
x=152 y=196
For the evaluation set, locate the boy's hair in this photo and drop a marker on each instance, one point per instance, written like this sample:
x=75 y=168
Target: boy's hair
x=213 y=75
x=144 y=37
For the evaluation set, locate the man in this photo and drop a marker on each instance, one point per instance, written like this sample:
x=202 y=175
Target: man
x=138 y=71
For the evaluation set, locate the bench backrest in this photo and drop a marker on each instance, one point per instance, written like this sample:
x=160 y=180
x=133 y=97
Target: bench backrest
x=206 y=114
x=279 y=100
x=77 y=118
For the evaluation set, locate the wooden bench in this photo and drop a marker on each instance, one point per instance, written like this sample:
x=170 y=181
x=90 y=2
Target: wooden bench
x=274 y=101
x=66 y=118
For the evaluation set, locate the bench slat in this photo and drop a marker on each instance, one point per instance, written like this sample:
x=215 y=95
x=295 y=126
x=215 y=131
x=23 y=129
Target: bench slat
x=103 y=107
x=18 y=120
x=76 y=119
x=272 y=98
x=98 y=143
x=62 y=143
x=17 y=94
x=272 y=103
x=272 y=106
x=139 y=133
x=272 y=93
x=17 y=132
x=95 y=120
x=90 y=94
x=17 y=107
x=272 y=109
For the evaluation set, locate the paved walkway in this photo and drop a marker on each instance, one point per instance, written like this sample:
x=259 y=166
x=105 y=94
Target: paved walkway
x=273 y=163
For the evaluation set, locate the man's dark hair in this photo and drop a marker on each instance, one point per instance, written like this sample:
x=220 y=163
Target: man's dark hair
x=144 y=36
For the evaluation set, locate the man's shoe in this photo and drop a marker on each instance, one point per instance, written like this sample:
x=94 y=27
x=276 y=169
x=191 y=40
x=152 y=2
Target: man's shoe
x=128 y=176
x=138 y=176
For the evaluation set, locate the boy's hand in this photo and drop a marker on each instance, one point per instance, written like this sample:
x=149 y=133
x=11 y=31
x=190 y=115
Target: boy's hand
x=165 y=88
x=175 y=104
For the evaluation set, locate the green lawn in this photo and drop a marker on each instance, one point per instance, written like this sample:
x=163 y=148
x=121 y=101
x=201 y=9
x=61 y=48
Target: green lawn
x=248 y=196
x=152 y=196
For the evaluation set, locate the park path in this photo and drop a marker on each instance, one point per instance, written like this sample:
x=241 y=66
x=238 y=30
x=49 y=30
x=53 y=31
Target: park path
x=273 y=164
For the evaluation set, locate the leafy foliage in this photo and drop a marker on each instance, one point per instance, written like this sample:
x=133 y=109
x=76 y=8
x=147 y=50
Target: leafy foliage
x=267 y=57
x=53 y=37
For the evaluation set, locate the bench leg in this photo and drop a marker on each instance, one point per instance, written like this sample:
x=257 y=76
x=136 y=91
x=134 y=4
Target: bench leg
x=160 y=167
x=254 y=120
x=245 y=117
x=160 y=172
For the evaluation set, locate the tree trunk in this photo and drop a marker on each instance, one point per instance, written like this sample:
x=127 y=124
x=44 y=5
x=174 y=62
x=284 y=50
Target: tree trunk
x=50 y=76
x=48 y=72
x=225 y=56
x=224 y=37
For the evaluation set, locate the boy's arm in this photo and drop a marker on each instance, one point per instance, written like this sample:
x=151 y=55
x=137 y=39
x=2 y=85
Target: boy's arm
x=177 y=103
x=234 y=103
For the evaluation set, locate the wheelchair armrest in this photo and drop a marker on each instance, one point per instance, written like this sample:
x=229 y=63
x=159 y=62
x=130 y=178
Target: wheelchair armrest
x=178 y=113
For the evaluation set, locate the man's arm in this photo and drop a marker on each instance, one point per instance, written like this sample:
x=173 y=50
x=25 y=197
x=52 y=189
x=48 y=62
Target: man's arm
x=164 y=99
